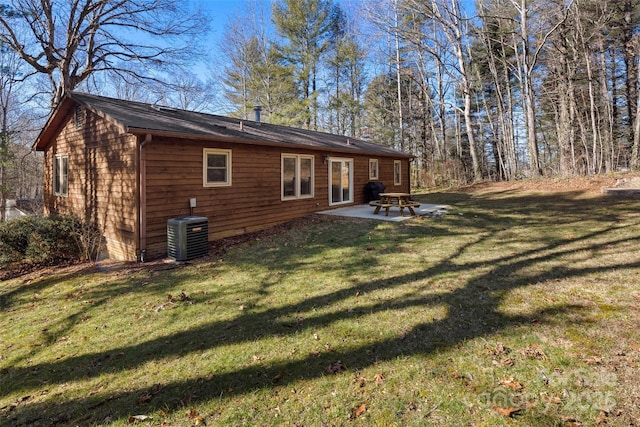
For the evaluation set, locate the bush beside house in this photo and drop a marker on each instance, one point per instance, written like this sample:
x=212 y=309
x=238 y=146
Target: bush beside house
x=36 y=241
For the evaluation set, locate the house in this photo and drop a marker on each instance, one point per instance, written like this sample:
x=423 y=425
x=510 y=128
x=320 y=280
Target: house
x=129 y=167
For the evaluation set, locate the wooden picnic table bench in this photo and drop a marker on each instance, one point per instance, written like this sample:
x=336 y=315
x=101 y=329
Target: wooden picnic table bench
x=390 y=200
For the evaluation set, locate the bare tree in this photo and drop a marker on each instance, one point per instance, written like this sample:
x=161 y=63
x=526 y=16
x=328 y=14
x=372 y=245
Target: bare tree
x=71 y=40
x=454 y=26
x=528 y=54
x=9 y=82
x=184 y=90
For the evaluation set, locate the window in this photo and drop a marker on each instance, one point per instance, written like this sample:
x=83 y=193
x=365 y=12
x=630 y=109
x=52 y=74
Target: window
x=297 y=176
x=397 y=172
x=217 y=168
x=61 y=175
x=373 y=169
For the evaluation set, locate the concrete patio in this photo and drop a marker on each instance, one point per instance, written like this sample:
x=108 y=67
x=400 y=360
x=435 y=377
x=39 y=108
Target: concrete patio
x=366 y=212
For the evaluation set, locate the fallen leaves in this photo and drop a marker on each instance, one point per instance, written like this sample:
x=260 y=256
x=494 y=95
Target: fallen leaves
x=336 y=367
x=277 y=378
x=533 y=351
x=135 y=418
x=195 y=417
x=511 y=384
x=174 y=302
x=360 y=381
x=358 y=411
x=509 y=412
x=379 y=378
x=15 y=404
x=498 y=349
x=146 y=396
x=594 y=360
x=499 y=353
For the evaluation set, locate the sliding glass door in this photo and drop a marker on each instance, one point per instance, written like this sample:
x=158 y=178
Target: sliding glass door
x=340 y=181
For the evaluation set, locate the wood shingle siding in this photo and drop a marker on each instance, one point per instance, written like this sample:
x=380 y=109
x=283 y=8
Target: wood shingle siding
x=101 y=181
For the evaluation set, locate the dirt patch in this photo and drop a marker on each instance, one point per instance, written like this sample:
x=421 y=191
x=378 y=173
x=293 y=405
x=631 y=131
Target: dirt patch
x=633 y=182
x=582 y=184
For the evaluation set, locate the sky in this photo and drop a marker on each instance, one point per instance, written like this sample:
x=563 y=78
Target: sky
x=221 y=12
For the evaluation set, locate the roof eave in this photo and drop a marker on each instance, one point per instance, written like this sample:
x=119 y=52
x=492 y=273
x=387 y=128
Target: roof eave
x=247 y=141
x=58 y=117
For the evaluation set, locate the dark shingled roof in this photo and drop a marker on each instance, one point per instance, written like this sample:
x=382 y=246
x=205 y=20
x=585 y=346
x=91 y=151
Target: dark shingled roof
x=140 y=118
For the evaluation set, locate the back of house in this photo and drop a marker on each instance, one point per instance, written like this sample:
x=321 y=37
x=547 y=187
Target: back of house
x=130 y=167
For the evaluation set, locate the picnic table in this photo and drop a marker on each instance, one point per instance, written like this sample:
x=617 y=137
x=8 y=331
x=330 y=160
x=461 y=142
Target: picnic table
x=397 y=200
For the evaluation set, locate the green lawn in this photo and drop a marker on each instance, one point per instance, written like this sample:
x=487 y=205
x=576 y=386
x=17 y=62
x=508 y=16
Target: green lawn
x=514 y=309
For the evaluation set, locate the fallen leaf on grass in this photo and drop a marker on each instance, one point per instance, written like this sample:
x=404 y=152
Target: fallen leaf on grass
x=533 y=351
x=15 y=404
x=498 y=349
x=552 y=399
x=135 y=418
x=277 y=378
x=594 y=360
x=336 y=367
x=194 y=416
x=378 y=378
x=601 y=419
x=505 y=361
x=571 y=422
x=507 y=412
x=511 y=383
x=145 y=398
x=356 y=412
x=360 y=381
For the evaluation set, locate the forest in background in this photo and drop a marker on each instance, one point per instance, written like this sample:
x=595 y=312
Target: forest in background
x=508 y=90
x=498 y=90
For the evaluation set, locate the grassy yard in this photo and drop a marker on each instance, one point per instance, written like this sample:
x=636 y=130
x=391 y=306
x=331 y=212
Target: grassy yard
x=516 y=308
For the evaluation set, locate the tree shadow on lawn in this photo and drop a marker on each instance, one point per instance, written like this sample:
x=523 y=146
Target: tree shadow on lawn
x=472 y=311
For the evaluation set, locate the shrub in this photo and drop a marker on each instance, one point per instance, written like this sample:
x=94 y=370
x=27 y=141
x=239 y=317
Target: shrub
x=48 y=240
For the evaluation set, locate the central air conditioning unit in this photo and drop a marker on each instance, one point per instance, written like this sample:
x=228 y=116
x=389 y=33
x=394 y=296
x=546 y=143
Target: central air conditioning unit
x=187 y=237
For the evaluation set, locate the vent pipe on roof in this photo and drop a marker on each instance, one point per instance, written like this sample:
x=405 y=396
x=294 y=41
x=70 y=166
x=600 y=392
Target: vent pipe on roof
x=257 y=109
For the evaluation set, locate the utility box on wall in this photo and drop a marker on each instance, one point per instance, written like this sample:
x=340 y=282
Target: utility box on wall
x=187 y=237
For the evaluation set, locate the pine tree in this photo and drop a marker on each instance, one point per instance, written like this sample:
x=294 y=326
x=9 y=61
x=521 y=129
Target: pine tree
x=305 y=27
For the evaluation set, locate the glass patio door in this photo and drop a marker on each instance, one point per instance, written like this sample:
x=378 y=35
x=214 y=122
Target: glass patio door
x=340 y=181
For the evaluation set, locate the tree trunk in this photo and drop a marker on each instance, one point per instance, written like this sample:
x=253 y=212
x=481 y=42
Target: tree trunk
x=528 y=95
x=398 y=76
x=631 y=72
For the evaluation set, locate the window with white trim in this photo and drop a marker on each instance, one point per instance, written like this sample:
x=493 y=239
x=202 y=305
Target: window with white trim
x=373 y=169
x=297 y=176
x=397 y=172
x=61 y=175
x=216 y=167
